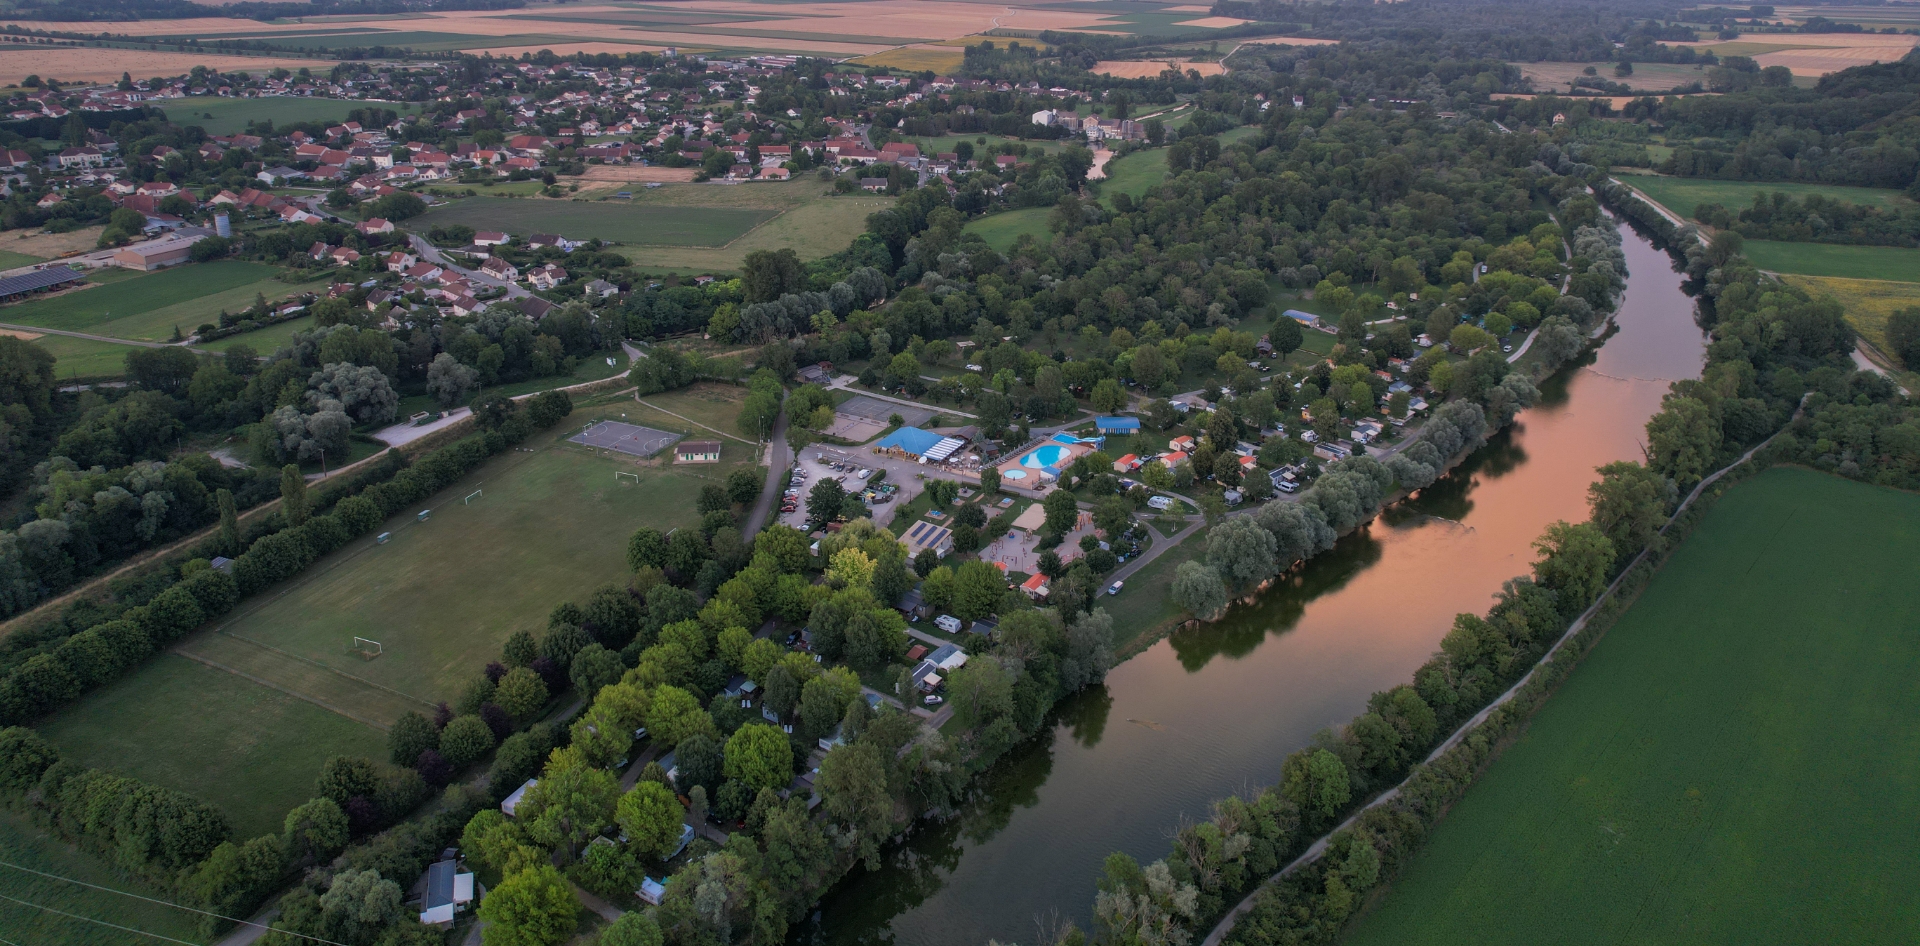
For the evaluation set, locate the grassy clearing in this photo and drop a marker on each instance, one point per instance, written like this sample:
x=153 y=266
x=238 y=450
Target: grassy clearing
x=715 y=405
x=27 y=845
x=1868 y=301
x=147 y=306
x=1682 y=194
x=250 y=749
x=812 y=227
x=1002 y=229
x=264 y=341
x=12 y=260
x=619 y=222
x=1134 y=174
x=1897 y=263
x=84 y=357
x=1725 y=766
x=1647 y=76
x=1142 y=604
x=232 y=115
x=549 y=526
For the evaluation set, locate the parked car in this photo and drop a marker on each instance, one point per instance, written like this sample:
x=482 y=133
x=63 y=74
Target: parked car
x=1114 y=588
x=975 y=368
x=863 y=474
x=933 y=699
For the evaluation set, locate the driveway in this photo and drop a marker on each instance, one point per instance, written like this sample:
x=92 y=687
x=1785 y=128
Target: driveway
x=407 y=432
x=432 y=254
x=779 y=462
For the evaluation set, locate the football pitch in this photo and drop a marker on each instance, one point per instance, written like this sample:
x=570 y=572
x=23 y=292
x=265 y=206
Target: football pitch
x=1737 y=761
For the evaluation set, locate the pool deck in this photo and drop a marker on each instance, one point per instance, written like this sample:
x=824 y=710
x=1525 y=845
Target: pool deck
x=1063 y=453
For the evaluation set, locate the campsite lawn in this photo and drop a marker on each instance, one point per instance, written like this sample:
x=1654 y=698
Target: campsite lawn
x=442 y=595
x=252 y=750
x=612 y=221
x=1002 y=229
x=1895 y=263
x=1732 y=763
x=147 y=306
x=232 y=115
x=1682 y=194
x=29 y=846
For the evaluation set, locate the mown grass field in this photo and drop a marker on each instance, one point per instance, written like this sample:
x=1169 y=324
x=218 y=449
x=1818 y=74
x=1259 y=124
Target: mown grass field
x=443 y=595
x=1134 y=174
x=12 y=260
x=27 y=845
x=264 y=341
x=250 y=749
x=715 y=405
x=810 y=221
x=1737 y=761
x=615 y=221
x=1682 y=194
x=1002 y=229
x=84 y=357
x=147 y=306
x=233 y=115
x=1896 y=263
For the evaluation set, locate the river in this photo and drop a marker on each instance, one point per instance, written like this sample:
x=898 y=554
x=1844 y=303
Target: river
x=1210 y=712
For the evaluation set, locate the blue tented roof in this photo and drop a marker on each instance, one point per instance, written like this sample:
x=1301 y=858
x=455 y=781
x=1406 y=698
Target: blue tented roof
x=1300 y=316
x=1117 y=423
x=911 y=439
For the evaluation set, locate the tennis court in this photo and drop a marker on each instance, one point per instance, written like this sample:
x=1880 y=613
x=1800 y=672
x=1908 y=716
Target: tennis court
x=863 y=418
x=626 y=438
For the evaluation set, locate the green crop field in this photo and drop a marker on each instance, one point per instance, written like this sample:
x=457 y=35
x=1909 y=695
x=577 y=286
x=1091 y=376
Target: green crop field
x=443 y=595
x=1002 y=229
x=1894 y=263
x=1737 y=761
x=84 y=357
x=25 y=844
x=250 y=749
x=615 y=221
x=232 y=115
x=12 y=260
x=147 y=306
x=1682 y=194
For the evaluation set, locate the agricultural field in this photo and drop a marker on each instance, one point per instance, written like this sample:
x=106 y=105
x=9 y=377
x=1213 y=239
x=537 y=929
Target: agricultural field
x=1002 y=229
x=82 y=64
x=1814 y=54
x=1682 y=194
x=1725 y=765
x=27 y=845
x=1836 y=260
x=1147 y=69
x=1868 y=302
x=263 y=341
x=12 y=260
x=148 y=306
x=803 y=219
x=233 y=115
x=1647 y=76
x=610 y=221
x=248 y=748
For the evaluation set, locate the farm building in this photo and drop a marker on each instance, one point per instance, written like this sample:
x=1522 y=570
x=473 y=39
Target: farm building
x=697 y=451
x=447 y=892
x=157 y=254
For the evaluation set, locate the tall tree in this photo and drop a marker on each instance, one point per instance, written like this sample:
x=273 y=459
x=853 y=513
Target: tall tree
x=293 y=494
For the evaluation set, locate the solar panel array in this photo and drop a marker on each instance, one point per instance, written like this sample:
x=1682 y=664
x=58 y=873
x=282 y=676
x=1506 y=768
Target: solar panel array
x=38 y=279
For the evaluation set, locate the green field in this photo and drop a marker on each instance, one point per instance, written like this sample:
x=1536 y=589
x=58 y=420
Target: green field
x=232 y=115
x=1134 y=174
x=617 y=222
x=442 y=595
x=264 y=341
x=84 y=357
x=1002 y=229
x=25 y=844
x=1895 y=263
x=1682 y=194
x=147 y=306
x=12 y=260
x=252 y=750
x=1737 y=761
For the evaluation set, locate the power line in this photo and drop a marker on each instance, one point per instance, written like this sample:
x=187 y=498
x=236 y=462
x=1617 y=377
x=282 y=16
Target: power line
x=164 y=903
x=116 y=926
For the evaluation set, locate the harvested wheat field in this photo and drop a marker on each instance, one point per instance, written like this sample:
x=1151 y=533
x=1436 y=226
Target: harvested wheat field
x=53 y=245
x=635 y=174
x=88 y=64
x=919 y=56
x=1214 y=22
x=1288 y=41
x=583 y=48
x=1816 y=54
x=1132 y=69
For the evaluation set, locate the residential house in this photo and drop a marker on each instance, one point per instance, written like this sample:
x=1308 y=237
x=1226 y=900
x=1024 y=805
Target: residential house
x=547 y=277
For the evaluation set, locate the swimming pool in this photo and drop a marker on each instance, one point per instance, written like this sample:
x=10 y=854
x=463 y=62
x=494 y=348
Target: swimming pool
x=1044 y=456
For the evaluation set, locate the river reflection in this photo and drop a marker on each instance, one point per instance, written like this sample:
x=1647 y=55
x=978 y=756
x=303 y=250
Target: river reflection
x=1212 y=711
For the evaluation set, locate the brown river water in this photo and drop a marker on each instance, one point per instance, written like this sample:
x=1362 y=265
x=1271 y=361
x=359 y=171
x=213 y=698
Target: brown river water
x=1213 y=711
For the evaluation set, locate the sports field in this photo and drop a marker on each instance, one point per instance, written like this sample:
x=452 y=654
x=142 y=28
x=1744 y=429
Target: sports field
x=252 y=750
x=1002 y=229
x=1682 y=194
x=233 y=115
x=147 y=306
x=1833 y=259
x=25 y=844
x=612 y=221
x=442 y=595
x=1736 y=762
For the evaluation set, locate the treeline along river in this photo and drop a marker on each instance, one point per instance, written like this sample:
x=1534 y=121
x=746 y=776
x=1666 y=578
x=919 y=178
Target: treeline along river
x=1211 y=711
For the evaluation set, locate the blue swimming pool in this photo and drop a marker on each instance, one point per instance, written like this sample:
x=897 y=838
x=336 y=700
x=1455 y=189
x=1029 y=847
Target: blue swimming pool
x=1044 y=456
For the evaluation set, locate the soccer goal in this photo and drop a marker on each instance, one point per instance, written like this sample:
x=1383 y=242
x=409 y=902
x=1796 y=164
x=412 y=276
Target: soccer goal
x=366 y=648
x=622 y=476
x=471 y=497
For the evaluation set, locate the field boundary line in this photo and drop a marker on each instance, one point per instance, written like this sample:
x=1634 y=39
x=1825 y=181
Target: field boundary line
x=695 y=422
x=1319 y=846
x=334 y=670
x=323 y=704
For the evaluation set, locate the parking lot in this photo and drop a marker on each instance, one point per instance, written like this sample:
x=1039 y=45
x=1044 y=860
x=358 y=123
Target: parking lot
x=817 y=461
